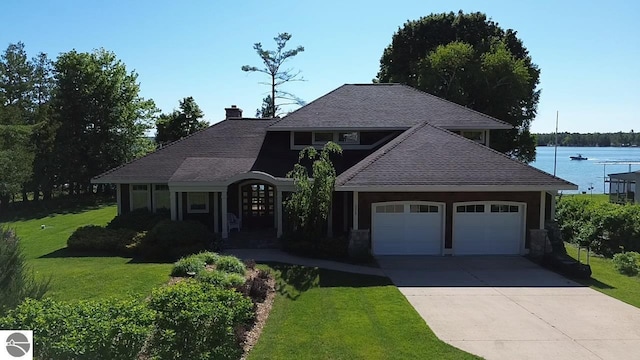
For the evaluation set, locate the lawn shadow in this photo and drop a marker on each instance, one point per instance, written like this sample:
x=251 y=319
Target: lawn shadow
x=68 y=253
x=57 y=206
x=596 y=283
x=293 y=280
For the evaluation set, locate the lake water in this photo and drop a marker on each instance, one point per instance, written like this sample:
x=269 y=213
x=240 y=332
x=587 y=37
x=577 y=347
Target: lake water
x=586 y=173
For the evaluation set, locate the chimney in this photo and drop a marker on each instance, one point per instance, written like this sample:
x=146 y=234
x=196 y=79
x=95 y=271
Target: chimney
x=233 y=112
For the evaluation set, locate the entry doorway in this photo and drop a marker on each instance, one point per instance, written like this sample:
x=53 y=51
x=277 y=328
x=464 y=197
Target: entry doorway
x=257 y=205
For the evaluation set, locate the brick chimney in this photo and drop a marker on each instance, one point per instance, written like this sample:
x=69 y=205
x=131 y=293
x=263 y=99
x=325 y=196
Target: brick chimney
x=233 y=112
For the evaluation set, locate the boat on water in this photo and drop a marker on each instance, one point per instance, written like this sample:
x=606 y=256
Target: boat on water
x=579 y=157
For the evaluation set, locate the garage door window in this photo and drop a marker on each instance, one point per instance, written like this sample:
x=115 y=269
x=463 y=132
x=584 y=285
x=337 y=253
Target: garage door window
x=470 y=209
x=423 y=209
x=390 y=209
x=495 y=208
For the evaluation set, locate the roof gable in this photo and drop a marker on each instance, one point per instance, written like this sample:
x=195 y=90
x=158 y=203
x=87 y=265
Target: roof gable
x=393 y=106
x=429 y=156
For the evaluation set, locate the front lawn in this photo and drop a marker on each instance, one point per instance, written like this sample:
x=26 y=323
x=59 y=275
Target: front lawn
x=607 y=280
x=75 y=277
x=323 y=314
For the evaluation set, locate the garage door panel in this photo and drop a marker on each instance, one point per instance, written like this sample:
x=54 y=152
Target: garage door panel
x=407 y=233
x=496 y=229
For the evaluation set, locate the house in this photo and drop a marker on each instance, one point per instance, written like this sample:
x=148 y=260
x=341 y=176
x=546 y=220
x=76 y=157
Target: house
x=622 y=187
x=417 y=175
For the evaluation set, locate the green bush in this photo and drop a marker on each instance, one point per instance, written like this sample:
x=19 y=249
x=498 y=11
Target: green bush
x=170 y=240
x=190 y=264
x=17 y=281
x=230 y=264
x=627 y=263
x=105 y=329
x=138 y=220
x=209 y=257
x=97 y=238
x=221 y=279
x=195 y=320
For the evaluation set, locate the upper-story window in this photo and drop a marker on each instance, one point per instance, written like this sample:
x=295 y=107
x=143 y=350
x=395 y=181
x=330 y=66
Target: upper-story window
x=322 y=137
x=342 y=137
x=352 y=137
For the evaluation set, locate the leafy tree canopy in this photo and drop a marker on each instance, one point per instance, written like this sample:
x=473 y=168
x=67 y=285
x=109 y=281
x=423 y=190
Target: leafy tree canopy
x=180 y=123
x=470 y=60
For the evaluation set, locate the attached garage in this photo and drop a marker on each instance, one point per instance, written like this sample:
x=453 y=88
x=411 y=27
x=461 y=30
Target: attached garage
x=407 y=228
x=488 y=228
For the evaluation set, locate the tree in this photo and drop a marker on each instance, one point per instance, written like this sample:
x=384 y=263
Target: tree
x=308 y=207
x=16 y=84
x=267 y=110
x=273 y=61
x=102 y=118
x=180 y=123
x=470 y=60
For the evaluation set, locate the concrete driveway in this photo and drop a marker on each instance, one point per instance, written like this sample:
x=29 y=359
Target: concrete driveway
x=509 y=308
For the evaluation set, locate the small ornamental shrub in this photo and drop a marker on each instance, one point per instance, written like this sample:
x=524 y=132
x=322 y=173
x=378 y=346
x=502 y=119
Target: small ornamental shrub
x=97 y=238
x=17 y=281
x=231 y=264
x=138 y=220
x=195 y=320
x=105 y=329
x=627 y=263
x=221 y=279
x=259 y=289
x=209 y=257
x=190 y=264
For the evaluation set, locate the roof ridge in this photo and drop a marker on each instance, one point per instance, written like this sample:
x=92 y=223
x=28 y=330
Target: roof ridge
x=456 y=104
x=376 y=155
x=307 y=104
x=500 y=153
x=163 y=147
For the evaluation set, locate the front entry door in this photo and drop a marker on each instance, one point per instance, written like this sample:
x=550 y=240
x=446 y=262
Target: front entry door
x=257 y=206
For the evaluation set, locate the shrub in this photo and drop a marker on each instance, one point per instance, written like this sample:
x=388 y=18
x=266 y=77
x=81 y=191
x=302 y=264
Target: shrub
x=627 y=263
x=195 y=320
x=221 y=279
x=189 y=264
x=209 y=257
x=172 y=239
x=138 y=220
x=17 y=281
x=97 y=238
x=105 y=329
x=259 y=288
x=231 y=264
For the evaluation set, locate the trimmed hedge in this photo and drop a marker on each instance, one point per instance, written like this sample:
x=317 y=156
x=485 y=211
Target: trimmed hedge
x=97 y=238
x=105 y=329
x=606 y=228
x=138 y=220
x=195 y=320
x=169 y=240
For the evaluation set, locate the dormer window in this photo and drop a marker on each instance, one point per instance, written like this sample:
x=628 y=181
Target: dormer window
x=348 y=138
x=322 y=137
x=342 y=137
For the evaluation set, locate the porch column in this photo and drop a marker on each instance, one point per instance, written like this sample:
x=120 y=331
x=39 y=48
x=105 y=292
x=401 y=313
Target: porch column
x=119 y=198
x=172 y=202
x=279 y=211
x=355 y=210
x=216 y=213
x=543 y=197
x=225 y=230
x=345 y=211
x=180 y=205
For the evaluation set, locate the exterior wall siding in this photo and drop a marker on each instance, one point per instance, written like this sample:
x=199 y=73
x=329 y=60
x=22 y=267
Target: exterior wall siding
x=532 y=199
x=205 y=218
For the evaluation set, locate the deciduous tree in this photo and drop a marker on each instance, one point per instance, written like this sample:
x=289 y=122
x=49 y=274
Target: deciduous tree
x=180 y=123
x=470 y=60
x=273 y=61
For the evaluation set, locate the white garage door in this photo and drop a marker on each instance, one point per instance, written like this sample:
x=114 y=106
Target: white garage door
x=488 y=228
x=407 y=228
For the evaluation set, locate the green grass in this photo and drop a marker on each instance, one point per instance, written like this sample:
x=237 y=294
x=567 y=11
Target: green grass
x=322 y=314
x=75 y=277
x=607 y=280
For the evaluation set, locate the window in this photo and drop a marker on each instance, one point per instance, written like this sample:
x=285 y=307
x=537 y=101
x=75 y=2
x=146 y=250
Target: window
x=474 y=135
x=390 y=208
x=348 y=138
x=322 y=137
x=139 y=196
x=161 y=197
x=197 y=202
x=301 y=138
x=499 y=208
x=423 y=209
x=470 y=209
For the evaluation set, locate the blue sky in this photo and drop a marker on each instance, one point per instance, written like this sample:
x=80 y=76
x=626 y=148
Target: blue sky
x=588 y=51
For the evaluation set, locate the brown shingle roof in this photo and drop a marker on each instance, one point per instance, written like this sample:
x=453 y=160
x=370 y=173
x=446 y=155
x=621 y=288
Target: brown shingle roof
x=397 y=106
x=229 y=139
x=429 y=156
